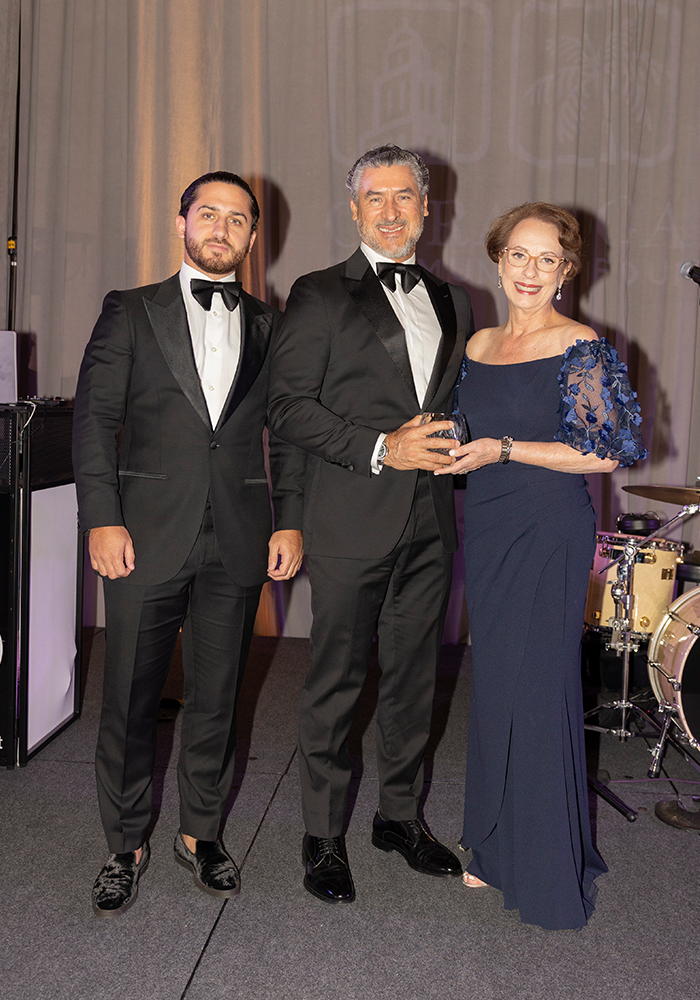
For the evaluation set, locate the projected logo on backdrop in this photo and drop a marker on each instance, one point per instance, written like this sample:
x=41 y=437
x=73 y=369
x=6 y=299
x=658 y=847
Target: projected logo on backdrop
x=406 y=94
x=408 y=53
x=581 y=85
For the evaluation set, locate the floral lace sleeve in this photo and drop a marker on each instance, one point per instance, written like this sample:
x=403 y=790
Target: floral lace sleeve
x=599 y=412
x=463 y=369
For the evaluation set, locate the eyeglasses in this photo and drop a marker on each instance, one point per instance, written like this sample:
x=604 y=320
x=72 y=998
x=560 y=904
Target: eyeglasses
x=517 y=257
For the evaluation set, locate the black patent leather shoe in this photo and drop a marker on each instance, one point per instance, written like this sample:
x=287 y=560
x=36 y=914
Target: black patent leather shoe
x=213 y=867
x=117 y=885
x=421 y=850
x=327 y=870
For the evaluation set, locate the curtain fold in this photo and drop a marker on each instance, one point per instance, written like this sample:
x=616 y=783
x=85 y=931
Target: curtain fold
x=588 y=103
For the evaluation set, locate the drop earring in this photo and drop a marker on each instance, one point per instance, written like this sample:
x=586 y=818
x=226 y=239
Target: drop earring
x=559 y=294
x=499 y=283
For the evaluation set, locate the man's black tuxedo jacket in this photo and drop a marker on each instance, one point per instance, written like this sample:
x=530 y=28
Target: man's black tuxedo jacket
x=138 y=377
x=340 y=374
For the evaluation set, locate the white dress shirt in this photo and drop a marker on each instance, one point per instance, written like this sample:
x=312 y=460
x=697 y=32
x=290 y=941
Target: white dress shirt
x=416 y=314
x=216 y=341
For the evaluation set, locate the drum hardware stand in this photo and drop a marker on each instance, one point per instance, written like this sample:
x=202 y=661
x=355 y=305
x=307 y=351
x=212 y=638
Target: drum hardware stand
x=625 y=640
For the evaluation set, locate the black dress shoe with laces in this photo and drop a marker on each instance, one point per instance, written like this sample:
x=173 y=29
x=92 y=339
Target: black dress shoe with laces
x=419 y=848
x=213 y=867
x=117 y=885
x=327 y=870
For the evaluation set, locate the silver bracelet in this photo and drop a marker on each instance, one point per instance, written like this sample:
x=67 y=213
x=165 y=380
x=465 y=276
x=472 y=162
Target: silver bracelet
x=506 y=445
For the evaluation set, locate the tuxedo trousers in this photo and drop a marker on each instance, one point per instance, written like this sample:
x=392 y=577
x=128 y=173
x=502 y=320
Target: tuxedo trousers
x=401 y=599
x=142 y=624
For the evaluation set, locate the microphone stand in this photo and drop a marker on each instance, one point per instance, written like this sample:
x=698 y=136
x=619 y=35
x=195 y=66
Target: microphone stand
x=12 y=240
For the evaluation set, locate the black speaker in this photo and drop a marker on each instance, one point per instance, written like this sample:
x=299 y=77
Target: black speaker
x=40 y=579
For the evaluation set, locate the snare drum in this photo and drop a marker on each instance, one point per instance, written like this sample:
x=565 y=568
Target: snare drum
x=674 y=663
x=653 y=578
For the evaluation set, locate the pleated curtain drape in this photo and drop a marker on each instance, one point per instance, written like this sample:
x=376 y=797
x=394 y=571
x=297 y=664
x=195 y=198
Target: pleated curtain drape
x=588 y=103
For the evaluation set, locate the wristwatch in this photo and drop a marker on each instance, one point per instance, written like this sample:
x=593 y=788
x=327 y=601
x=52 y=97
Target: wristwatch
x=506 y=445
x=382 y=453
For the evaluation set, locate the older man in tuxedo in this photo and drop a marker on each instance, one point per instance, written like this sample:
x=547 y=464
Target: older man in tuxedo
x=364 y=346
x=170 y=470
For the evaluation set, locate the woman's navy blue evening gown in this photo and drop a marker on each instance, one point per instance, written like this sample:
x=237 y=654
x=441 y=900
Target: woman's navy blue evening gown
x=529 y=539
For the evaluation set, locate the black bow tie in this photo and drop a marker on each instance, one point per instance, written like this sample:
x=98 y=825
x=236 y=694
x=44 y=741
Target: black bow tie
x=203 y=291
x=410 y=274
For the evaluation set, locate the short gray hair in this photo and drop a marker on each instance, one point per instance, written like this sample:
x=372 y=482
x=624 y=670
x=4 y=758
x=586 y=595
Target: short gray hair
x=390 y=155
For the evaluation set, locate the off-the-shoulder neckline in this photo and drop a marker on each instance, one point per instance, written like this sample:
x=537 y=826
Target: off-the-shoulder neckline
x=514 y=364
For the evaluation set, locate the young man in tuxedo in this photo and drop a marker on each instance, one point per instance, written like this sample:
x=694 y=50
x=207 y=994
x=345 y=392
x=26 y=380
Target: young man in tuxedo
x=364 y=346
x=170 y=471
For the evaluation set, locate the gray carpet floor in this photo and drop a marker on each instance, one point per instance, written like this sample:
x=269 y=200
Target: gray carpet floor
x=406 y=937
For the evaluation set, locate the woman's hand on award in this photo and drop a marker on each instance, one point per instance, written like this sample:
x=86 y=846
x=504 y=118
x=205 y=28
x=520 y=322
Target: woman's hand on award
x=473 y=455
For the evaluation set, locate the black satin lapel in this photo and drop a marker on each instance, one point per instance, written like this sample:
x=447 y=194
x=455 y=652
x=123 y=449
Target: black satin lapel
x=370 y=298
x=173 y=335
x=255 y=338
x=440 y=296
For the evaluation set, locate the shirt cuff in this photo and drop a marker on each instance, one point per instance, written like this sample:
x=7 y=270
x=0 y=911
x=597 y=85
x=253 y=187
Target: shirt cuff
x=376 y=467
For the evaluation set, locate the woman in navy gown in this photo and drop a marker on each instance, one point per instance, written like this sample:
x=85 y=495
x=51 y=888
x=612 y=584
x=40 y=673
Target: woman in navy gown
x=546 y=402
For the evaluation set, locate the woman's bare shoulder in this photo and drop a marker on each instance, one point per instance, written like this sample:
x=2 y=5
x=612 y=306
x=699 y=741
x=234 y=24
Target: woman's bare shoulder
x=571 y=331
x=479 y=342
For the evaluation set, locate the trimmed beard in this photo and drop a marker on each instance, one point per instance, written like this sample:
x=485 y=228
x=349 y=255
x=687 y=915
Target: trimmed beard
x=219 y=264
x=400 y=253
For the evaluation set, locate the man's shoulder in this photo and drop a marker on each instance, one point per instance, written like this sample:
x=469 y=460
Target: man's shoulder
x=460 y=295
x=324 y=273
x=165 y=292
x=257 y=307
x=437 y=280
x=169 y=288
x=353 y=266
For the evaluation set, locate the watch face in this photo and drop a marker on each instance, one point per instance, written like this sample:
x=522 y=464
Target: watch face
x=383 y=452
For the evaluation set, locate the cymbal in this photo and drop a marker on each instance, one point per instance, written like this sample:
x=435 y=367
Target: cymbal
x=666 y=494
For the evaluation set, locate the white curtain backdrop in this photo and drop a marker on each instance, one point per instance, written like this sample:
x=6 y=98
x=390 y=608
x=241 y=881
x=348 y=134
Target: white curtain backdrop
x=588 y=103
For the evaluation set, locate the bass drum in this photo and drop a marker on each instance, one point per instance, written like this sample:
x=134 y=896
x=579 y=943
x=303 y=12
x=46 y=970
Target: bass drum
x=674 y=663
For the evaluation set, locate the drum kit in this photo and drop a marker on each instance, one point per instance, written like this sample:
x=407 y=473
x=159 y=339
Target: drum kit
x=629 y=603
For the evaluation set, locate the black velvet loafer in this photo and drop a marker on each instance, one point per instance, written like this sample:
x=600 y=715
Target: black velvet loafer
x=410 y=838
x=117 y=885
x=327 y=870
x=213 y=867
